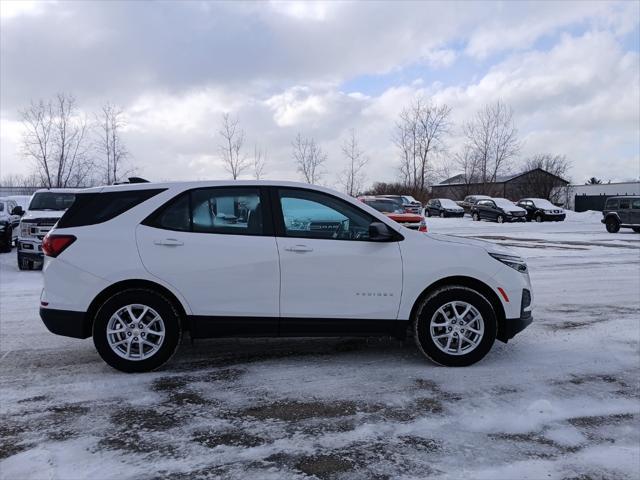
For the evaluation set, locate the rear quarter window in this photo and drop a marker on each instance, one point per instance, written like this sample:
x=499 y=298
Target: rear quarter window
x=94 y=208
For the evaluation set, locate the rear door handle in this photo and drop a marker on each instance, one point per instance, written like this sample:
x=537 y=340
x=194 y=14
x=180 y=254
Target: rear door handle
x=169 y=242
x=299 y=249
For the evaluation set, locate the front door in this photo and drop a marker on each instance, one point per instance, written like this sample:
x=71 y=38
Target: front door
x=216 y=248
x=333 y=278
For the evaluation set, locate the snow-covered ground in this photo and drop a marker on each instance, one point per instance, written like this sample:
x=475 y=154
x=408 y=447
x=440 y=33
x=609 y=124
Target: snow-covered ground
x=560 y=401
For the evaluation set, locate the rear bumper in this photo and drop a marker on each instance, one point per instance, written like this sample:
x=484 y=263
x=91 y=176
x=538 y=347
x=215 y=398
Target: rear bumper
x=66 y=322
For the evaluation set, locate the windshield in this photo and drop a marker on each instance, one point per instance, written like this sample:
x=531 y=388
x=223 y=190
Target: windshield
x=446 y=203
x=541 y=203
x=384 y=205
x=52 y=201
x=409 y=199
x=504 y=203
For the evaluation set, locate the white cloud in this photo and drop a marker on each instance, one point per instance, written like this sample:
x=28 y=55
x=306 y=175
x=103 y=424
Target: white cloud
x=11 y=9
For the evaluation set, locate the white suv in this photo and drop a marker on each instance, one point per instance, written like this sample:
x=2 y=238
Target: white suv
x=134 y=266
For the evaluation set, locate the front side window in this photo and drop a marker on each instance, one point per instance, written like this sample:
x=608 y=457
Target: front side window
x=308 y=214
x=611 y=204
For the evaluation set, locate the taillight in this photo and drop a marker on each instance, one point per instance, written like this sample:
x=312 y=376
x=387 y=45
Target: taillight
x=54 y=245
x=423 y=226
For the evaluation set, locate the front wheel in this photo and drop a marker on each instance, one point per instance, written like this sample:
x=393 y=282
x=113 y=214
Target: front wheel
x=475 y=216
x=428 y=212
x=500 y=219
x=636 y=229
x=538 y=218
x=441 y=214
x=455 y=326
x=136 y=330
x=613 y=226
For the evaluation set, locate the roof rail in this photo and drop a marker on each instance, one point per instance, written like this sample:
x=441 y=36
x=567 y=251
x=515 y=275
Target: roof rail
x=133 y=180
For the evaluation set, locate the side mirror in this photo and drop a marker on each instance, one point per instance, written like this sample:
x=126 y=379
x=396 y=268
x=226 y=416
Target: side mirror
x=17 y=211
x=379 y=232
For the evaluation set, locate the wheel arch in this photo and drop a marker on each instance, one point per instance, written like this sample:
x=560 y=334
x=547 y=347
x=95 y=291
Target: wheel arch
x=135 y=283
x=474 y=284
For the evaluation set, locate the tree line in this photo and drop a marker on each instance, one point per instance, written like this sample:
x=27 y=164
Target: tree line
x=68 y=148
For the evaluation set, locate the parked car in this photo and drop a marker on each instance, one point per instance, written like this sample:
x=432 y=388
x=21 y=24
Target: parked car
x=541 y=210
x=443 y=207
x=470 y=200
x=45 y=209
x=396 y=213
x=622 y=212
x=409 y=204
x=133 y=266
x=498 y=210
x=10 y=213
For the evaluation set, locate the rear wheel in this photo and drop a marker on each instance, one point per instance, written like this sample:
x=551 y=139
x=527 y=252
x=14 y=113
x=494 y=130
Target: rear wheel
x=136 y=330
x=475 y=216
x=455 y=326
x=612 y=224
x=636 y=229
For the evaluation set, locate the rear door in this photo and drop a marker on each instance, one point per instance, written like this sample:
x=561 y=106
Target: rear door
x=215 y=246
x=333 y=278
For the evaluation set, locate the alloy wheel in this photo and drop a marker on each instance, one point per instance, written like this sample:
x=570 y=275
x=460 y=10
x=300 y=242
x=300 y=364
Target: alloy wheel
x=135 y=332
x=457 y=328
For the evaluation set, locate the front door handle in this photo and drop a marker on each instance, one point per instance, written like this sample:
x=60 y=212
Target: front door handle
x=169 y=242
x=299 y=249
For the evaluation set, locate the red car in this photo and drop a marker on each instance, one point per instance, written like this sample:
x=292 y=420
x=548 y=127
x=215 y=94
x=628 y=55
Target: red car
x=392 y=210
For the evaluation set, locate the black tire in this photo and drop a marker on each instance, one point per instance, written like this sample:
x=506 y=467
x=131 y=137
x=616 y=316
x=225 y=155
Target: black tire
x=428 y=212
x=441 y=214
x=500 y=219
x=539 y=218
x=424 y=315
x=612 y=224
x=475 y=217
x=24 y=263
x=7 y=240
x=636 y=229
x=166 y=310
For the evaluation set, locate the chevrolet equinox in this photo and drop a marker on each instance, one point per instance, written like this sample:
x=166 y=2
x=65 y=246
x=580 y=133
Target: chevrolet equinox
x=136 y=265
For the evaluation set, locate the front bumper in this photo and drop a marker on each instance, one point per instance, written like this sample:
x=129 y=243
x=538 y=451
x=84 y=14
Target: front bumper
x=555 y=217
x=510 y=327
x=512 y=218
x=454 y=214
x=66 y=322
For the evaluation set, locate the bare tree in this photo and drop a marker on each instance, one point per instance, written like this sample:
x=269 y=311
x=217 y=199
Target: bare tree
x=110 y=121
x=352 y=177
x=259 y=162
x=55 y=140
x=493 y=141
x=593 y=181
x=420 y=135
x=548 y=182
x=235 y=161
x=467 y=162
x=309 y=159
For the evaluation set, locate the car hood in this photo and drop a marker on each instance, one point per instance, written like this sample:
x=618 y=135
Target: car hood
x=472 y=242
x=43 y=214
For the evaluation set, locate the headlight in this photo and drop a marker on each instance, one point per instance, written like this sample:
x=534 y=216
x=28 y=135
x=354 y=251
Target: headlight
x=24 y=229
x=513 y=261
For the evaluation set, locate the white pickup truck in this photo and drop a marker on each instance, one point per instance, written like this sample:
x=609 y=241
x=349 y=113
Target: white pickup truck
x=45 y=209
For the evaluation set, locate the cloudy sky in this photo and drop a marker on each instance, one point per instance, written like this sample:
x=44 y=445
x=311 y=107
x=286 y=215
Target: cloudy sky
x=570 y=71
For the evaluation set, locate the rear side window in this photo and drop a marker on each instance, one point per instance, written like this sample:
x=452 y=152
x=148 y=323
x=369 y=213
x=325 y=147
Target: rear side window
x=625 y=203
x=635 y=203
x=94 y=208
x=222 y=210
